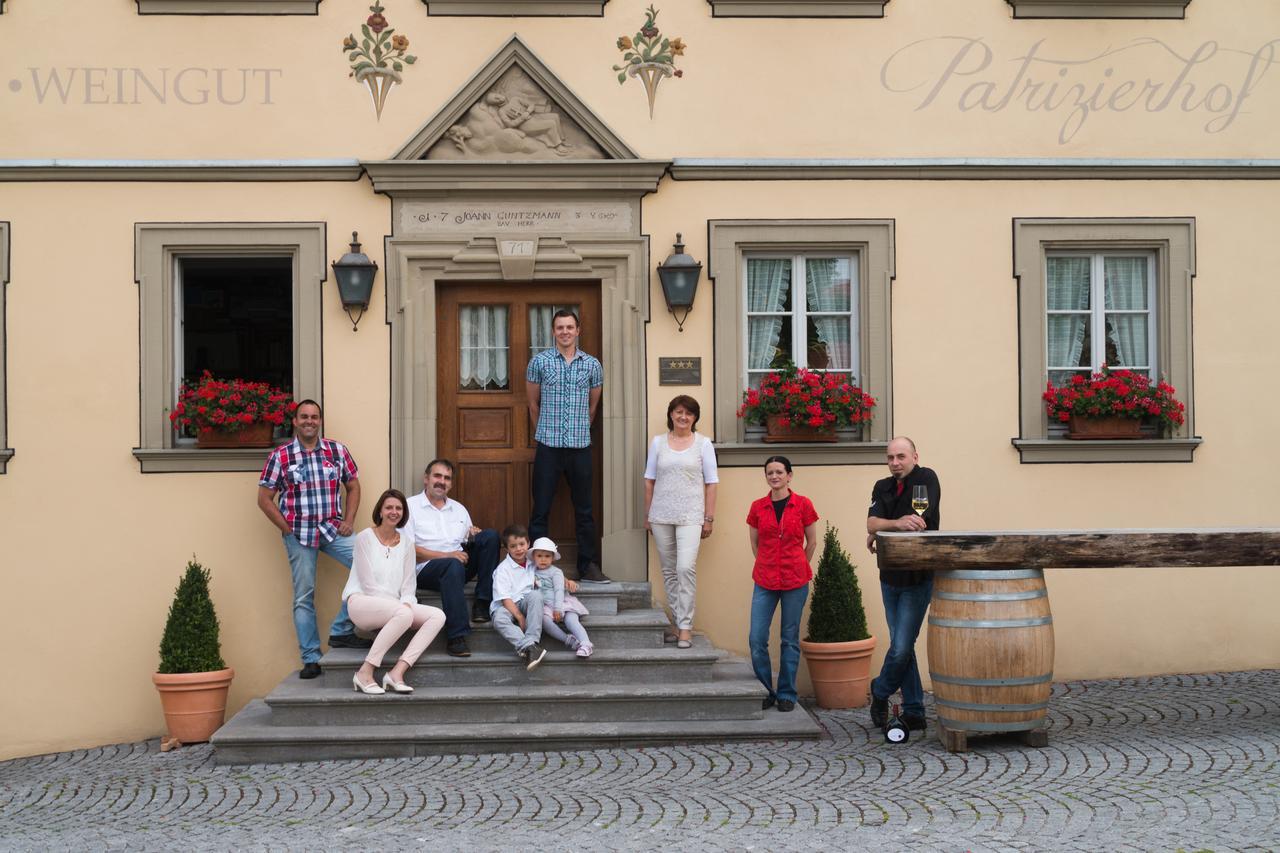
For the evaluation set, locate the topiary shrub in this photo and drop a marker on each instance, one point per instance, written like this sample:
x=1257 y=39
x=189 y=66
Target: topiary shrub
x=836 y=614
x=190 y=642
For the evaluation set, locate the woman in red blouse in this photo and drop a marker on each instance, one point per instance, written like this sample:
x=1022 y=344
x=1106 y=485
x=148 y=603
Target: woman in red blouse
x=784 y=536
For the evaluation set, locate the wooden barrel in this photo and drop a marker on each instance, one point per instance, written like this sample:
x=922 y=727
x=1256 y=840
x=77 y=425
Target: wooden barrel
x=991 y=650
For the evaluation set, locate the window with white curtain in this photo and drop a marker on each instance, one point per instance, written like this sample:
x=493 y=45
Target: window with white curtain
x=1099 y=310
x=484 y=346
x=800 y=308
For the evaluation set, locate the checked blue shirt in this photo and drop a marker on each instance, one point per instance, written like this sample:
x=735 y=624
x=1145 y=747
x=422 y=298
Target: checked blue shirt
x=566 y=389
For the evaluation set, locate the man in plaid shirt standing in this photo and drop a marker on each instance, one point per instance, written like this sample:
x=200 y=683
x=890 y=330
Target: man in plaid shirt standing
x=564 y=386
x=307 y=472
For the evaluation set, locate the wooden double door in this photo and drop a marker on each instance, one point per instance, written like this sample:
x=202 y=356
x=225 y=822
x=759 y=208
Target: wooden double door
x=486 y=335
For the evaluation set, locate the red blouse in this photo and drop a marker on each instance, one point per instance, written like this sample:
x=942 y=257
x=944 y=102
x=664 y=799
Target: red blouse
x=780 y=560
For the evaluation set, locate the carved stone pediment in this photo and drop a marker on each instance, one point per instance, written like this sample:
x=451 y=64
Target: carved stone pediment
x=514 y=109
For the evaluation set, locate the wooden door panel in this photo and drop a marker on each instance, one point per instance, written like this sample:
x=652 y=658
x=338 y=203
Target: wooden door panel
x=488 y=433
x=489 y=489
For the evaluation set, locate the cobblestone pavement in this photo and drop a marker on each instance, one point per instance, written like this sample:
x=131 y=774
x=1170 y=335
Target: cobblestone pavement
x=1170 y=763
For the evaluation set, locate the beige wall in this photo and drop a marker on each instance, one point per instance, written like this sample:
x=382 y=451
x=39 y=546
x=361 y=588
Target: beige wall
x=771 y=88
x=765 y=87
x=955 y=392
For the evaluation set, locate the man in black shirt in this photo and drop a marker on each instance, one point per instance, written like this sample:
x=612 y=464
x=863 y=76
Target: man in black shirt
x=906 y=594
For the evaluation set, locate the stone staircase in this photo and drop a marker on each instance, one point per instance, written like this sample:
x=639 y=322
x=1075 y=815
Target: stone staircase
x=634 y=691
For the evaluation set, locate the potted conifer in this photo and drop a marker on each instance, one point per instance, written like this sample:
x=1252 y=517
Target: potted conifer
x=838 y=648
x=193 y=679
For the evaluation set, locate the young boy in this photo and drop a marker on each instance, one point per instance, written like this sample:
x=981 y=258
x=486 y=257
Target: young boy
x=516 y=609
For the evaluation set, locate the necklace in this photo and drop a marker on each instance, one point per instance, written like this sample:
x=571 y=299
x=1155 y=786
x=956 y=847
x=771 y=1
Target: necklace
x=386 y=549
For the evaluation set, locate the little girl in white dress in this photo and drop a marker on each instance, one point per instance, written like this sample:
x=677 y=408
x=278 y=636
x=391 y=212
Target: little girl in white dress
x=557 y=602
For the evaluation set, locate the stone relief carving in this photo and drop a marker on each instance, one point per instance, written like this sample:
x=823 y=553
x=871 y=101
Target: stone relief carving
x=515 y=120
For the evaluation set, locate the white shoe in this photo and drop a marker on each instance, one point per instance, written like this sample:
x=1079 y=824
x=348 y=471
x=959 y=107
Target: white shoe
x=585 y=651
x=370 y=689
x=389 y=683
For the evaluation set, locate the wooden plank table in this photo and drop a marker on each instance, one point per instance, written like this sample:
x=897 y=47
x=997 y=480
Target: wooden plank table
x=991 y=632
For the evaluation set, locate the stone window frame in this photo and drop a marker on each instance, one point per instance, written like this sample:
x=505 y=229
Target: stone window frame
x=516 y=8
x=6 y=452
x=157 y=246
x=730 y=242
x=1113 y=9
x=228 y=7
x=1172 y=240
x=797 y=8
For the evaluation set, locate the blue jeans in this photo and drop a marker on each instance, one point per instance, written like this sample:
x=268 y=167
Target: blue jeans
x=763 y=603
x=302 y=565
x=447 y=575
x=904 y=609
x=574 y=464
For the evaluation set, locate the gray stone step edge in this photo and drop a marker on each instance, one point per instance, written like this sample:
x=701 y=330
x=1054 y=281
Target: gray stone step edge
x=647 y=620
x=249 y=738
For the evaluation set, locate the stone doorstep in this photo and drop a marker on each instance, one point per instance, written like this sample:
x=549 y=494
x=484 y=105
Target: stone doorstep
x=607 y=666
x=632 y=629
x=297 y=703
x=601 y=601
x=251 y=738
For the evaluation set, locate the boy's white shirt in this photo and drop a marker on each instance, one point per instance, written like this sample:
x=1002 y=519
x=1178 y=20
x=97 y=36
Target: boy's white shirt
x=511 y=581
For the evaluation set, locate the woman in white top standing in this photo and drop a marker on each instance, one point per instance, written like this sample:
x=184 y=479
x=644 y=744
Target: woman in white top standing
x=382 y=592
x=680 y=480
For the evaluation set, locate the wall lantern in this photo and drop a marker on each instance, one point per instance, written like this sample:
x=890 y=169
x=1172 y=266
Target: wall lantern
x=355 y=274
x=679 y=274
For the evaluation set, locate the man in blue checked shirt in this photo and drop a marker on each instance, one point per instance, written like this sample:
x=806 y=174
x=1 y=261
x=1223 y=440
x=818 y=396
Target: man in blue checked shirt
x=564 y=387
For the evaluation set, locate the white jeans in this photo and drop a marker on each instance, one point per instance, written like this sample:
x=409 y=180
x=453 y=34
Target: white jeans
x=678 y=554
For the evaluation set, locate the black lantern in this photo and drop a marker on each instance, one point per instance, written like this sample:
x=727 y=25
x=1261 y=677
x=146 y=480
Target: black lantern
x=355 y=274
x=679 y=274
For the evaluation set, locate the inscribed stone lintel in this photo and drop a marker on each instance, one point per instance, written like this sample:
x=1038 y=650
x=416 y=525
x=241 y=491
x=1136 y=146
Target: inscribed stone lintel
x=454 y=217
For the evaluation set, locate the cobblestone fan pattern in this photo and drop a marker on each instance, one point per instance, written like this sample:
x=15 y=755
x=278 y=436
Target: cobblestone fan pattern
x=1169 y=763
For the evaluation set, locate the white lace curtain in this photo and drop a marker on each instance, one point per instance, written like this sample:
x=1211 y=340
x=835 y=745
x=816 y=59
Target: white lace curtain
x=1068 y=290
x=1071 y=308
x=1126 y=290
x=768 y=286
x=483 y=348
x=828 y=286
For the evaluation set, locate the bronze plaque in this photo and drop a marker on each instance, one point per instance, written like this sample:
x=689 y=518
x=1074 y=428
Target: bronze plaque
x=680 y=370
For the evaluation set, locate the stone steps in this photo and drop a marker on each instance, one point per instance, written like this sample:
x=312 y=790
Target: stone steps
x=252 y=738
x=634 y=691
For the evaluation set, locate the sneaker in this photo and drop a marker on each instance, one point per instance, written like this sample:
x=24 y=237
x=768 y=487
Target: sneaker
x=914 y=722
x=592 y=574
x=534 y=655
x=458 y=648
x=585 y=651
x=349 y=641
x=879 y=712
x=480 y=611
x=310 y=670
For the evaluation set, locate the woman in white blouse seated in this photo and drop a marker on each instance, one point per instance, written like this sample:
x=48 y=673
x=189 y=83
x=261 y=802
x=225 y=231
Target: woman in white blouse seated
x=680 y=480
x=382 y=593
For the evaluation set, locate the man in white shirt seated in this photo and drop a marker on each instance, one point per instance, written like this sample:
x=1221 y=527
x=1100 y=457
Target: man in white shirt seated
x=451 y=551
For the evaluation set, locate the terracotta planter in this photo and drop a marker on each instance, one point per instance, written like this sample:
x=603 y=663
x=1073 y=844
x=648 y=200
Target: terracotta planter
x=840 y=672
x=1112 y=426
x=254 y=435
x=780 y=429
x=194 y=703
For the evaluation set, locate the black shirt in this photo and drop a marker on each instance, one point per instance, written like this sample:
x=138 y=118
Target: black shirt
x=887 y=502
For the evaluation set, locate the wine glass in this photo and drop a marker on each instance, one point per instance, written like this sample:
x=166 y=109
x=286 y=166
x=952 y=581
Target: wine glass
x=919 y=499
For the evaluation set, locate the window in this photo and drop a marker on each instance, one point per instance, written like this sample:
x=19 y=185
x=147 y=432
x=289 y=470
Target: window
x=1099 y=8
x=6 y=452
x=505 y=8
x=797 y=8
x=800 y=309
x=815 y=292
x=237 y=300
x=1099 y=311
x=227 y=7
x=1103 y=291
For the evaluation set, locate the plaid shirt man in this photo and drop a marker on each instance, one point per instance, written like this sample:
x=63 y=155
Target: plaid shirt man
x=566 y=387
x=308 y=483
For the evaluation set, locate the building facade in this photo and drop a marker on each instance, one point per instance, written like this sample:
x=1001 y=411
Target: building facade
x=954 y=202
